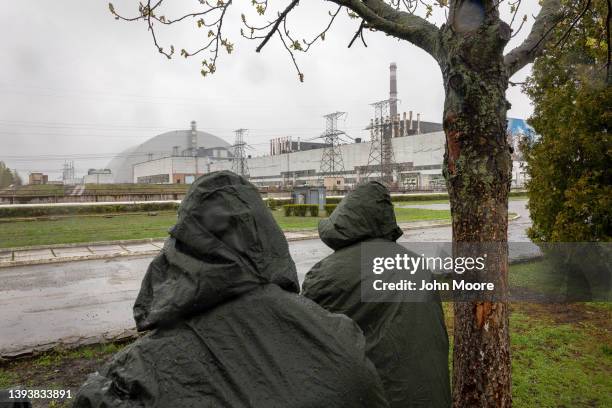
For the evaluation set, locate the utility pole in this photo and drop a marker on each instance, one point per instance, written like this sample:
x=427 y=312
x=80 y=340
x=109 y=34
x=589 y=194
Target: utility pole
x=381 y=159
x=239 y=162
x=332 y=164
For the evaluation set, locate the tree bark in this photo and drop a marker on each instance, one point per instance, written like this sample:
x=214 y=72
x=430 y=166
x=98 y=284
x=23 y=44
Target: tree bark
x=477 y=168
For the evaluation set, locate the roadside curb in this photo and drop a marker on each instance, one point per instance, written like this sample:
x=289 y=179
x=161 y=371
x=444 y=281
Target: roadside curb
x=69 y=343
x=84 y=244
x=77 y=258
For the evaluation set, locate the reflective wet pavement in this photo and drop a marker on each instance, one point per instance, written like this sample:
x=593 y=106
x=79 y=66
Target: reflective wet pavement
x=41 y=304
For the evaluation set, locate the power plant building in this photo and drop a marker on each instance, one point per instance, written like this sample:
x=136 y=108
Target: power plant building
x=176 y=156
x=98 y=176
x=416 y=148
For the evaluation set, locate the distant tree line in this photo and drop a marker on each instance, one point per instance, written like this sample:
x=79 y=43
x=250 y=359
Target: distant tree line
x=8 y=177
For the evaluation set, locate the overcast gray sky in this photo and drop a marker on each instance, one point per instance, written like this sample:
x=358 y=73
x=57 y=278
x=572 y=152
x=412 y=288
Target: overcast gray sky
x=77 y=84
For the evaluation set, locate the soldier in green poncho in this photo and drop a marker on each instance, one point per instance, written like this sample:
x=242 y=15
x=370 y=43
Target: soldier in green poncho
x=406 y=341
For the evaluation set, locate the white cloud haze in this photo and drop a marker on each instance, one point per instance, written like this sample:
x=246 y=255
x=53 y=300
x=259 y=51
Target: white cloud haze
x=78 y=84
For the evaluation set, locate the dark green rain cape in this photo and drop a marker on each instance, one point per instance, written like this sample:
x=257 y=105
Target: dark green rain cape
x=227 y=326
x=406 y=341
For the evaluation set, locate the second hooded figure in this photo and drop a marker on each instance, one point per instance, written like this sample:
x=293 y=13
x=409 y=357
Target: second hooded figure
x=406 y=341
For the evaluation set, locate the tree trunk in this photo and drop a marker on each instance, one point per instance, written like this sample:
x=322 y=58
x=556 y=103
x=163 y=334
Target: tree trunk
x=477 y=168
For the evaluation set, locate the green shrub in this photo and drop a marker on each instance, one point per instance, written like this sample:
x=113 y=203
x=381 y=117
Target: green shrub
x=272 y=204
x=300 y=210
x=329 y=208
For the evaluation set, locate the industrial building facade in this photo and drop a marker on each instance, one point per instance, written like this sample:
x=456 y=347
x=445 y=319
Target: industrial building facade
x=172 y=169
x=418 y=160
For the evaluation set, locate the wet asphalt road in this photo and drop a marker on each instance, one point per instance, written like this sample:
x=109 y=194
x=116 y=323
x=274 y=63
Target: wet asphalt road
x=41 y=304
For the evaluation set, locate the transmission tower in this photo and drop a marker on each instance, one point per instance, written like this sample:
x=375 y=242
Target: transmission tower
x=68 y=172
x=381 y=160
x=332 y=164
x=239 y=162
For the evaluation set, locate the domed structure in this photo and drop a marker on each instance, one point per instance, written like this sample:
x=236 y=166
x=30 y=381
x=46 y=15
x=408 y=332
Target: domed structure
x=173 y=143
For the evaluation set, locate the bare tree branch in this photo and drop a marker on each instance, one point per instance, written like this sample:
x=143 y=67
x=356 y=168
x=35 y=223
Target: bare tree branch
x=281 y=18
x=215 y=14
x=533 y=46
x=359 y=34
x=403 y=25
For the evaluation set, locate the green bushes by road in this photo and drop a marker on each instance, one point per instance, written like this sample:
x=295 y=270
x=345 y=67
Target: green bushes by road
x=301 y=210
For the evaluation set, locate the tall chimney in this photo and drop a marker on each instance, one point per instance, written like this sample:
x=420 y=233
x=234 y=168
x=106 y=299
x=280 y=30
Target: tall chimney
x=194 y=139
x=418 y=124
x=393 y=90
x=410 y=119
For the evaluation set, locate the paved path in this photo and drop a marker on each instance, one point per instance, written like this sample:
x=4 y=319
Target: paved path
x=69 y=302
x=84 y=301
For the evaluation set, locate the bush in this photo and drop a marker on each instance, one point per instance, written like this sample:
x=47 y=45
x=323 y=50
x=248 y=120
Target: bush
x=570 y=191
x=300 y=210
x=329 y=208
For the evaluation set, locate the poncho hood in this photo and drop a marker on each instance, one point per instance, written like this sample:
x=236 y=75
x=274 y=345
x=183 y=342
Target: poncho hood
x=365 y=213
x=225 y=243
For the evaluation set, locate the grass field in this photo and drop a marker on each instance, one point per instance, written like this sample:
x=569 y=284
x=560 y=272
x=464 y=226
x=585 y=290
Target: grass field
x=63 y=230
x=561 y=357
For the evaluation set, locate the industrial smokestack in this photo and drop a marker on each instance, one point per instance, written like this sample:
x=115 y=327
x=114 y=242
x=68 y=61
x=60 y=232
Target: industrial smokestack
x=418 y=124
x=193 y=144
x=393 y=90
x=410 y=118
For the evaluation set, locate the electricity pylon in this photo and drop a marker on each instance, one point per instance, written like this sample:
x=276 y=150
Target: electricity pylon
x=381 y=160
x=332 y=164
x=239 y=162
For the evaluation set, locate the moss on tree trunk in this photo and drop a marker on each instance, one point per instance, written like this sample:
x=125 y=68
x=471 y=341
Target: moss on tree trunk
x=477 y=168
